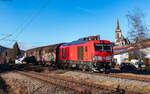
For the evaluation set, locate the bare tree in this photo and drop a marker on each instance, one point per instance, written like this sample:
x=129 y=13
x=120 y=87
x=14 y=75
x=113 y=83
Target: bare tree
x=138 y=30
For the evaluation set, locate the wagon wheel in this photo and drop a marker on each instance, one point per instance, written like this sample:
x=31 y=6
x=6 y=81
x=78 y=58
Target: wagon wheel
x=91 y=70
x=66 y=66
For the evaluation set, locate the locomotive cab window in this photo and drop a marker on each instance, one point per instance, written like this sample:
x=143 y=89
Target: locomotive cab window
x=102 y=47
x=107 y=47
x=98 y=47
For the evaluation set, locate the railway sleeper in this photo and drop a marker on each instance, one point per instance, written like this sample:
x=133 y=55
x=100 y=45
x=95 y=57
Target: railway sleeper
x=78 y=89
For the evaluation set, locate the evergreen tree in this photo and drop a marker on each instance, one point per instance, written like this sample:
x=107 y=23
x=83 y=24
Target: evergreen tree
x=16 y=51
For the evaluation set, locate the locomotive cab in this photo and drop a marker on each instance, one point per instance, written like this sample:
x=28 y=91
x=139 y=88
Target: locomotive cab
x=102 y=55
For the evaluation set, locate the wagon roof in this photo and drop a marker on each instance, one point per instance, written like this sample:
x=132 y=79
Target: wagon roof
x=53 y=46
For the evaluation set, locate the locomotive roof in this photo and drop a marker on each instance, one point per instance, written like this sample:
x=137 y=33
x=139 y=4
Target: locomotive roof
x=80 y=41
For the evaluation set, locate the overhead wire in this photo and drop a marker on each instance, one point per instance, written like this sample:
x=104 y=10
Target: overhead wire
x=2 y=34
x=33 y=17
x=5 y=37
x=9 y=40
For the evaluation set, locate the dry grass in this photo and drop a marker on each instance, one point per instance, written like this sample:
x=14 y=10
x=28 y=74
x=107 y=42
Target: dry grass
x=63 y=75
x=131 y=74
x=134 y=86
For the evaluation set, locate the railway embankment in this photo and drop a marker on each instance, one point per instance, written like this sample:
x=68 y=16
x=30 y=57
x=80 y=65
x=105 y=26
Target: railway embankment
x=19 y=84
x=129 y=84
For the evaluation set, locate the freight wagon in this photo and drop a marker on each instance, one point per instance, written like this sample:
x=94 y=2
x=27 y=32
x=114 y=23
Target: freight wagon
x=46 y=55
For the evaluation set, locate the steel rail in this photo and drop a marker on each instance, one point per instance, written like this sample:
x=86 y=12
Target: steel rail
x=90 y=84
x=77 y=89
x=115 y=75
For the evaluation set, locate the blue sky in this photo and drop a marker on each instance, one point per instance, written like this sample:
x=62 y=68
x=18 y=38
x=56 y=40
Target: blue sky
x=64 y=20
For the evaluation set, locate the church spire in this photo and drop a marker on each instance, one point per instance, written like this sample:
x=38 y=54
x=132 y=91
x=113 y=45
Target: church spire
x=118 y=24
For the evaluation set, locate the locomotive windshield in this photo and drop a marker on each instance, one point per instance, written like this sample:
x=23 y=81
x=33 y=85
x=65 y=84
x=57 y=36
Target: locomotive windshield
x=98 y=47
x=102 y=47
x=107 y=47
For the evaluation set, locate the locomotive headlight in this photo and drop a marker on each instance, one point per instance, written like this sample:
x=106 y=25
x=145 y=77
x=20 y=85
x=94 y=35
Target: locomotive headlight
x=108 y=57
x=94 y=57
x=97 y=58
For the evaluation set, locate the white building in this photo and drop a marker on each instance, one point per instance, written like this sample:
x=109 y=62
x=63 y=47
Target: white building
x=120 y=57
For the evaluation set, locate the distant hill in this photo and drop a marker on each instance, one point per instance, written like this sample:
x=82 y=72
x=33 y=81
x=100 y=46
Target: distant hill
x=2 y=49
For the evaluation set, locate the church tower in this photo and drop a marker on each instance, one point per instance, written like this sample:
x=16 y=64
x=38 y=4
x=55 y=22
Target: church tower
x=118 y=35
x=119 y=38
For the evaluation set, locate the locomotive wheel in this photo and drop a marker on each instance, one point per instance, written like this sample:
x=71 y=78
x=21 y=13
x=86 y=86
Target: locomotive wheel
x=61 y=66
x=85 y=68
x=67 y=66
x=77 y=67
x=92 y=69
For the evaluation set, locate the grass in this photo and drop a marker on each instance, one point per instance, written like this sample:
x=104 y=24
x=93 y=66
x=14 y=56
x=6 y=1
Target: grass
x=134 y=86
x=131 y=74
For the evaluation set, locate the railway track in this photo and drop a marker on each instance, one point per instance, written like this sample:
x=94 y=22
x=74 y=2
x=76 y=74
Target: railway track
x=116 y=75
x=76 y=85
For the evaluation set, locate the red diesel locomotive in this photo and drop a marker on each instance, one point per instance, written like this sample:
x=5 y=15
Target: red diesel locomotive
x=88 y=53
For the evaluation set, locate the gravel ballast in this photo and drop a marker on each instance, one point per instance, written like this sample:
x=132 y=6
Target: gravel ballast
x=135 y=85
x=20 y=84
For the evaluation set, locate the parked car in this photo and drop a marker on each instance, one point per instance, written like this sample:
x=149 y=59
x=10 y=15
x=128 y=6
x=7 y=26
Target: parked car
x=134 y=64
x=20 y=60
x=127 y=66
x=139 y=64
x=30 y=59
